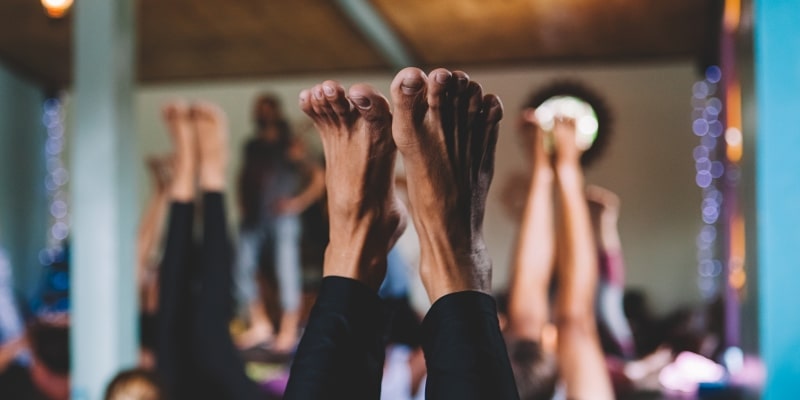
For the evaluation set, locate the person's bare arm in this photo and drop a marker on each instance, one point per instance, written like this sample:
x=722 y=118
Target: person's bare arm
x=9 y=351
x=604 y=208
x=580 y=357
x=151 y=226
x=535 y=252
x=313 y=190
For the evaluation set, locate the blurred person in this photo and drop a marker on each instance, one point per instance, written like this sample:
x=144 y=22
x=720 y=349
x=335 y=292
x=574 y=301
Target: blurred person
x=276 y=184
x=556 y=238
x=150 y=238
x=135 y=384
x=12 y=328
x=196 y=356
x=615 y=330
x=47 y=375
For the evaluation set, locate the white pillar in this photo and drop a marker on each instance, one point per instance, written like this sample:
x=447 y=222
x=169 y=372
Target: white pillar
x=103 y=160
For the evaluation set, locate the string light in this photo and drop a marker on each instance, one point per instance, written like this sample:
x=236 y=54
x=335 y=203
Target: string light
x=55 y=181
x=706 y=125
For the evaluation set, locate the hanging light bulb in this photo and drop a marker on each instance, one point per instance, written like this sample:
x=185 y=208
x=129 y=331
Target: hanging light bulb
x=56 y=8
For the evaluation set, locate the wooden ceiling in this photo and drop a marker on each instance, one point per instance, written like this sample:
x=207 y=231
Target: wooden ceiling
x=189 y=40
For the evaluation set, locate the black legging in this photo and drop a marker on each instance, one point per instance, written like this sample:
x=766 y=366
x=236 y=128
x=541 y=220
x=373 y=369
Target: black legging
x=196 y=356
x=341 y=354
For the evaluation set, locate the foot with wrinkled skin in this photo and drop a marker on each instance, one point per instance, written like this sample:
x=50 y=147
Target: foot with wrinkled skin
x=446 y=130
x=366 y=218
x=176 y=117
x=211 y=128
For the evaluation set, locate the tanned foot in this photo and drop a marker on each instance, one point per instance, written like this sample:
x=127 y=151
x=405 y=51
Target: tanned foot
x=537 y=138
x=366 y=219
x=446 y=131
x=176 y=117
x=211 y=127
x=286 y=340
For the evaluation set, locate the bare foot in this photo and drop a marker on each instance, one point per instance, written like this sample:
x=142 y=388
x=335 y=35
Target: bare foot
x=176 y=117
x=366 y=219
x=211 y=126
x=567 y=151
x=446 y=130
x=256 y=334
x=537 y=140
x=286 y=340
x=160 y=169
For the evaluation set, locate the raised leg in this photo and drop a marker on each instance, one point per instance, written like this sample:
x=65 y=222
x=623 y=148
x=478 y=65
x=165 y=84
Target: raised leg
x=341 y=353
x=580 y=356
x=528 y=304
x=173 y=354
x=446 y=131
x=217 y=359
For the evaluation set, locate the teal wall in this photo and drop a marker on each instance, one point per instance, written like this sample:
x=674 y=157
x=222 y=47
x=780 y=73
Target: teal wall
x=777 y=55
x=23 y=202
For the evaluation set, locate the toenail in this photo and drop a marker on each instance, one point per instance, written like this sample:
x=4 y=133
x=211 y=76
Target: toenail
x=361 y=102
x=442 y=77
x=318 y=93
x=411 y=85
x=328 y=90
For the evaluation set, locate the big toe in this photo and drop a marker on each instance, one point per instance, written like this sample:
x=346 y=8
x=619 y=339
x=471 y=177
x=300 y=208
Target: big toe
x=370 y=103
x=408 y=89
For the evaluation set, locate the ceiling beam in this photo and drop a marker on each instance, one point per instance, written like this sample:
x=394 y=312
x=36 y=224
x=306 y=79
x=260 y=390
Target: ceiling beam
x=377 y=31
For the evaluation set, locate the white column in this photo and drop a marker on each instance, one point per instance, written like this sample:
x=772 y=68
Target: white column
x=103 y=160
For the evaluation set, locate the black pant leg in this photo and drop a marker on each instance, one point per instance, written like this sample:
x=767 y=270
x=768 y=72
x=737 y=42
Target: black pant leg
x=217 y=359
x=342 y=351
x=174 y=302
x=464 y=350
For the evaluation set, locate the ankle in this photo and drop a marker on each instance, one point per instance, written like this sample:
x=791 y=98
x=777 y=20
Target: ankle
x=446 y=269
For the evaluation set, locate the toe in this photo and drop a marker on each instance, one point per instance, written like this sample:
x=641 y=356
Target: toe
x=320 y=104
x=304 y=101
x=369 y=103
x=472 y=99
x=493 y=112
x=334 y=94
x=461 y=81
x=407 y=87
x=470 y=131
x=493 y=108
x=438 y=84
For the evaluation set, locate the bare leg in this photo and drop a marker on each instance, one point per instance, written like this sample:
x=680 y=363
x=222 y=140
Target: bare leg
x=173 y=351
x=212 y=127
x=183 y=183
x=366 y=218
x=214 y=355
x=604 y=208
x=528 y=307
x=580 y=357
x=341 y=353
x=446 y=131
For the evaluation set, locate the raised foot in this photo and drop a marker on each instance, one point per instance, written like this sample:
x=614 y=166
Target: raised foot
x=176 y=117
x=366 y=219
x=446 y=131
x=211 y=128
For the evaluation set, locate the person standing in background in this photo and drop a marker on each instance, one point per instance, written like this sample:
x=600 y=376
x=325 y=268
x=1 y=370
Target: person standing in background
x=276 y=184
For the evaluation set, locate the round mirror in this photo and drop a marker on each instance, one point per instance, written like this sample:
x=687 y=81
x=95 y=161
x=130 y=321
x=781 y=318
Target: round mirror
x=573 y=100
